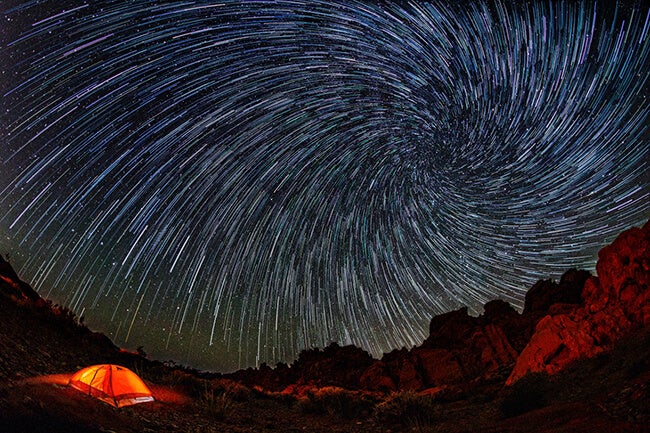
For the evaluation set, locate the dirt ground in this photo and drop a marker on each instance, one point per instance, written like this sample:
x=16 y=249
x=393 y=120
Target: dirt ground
x=47 y=404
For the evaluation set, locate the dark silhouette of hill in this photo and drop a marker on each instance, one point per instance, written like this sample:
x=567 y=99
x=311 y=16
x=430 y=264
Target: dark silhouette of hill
x=45 y=338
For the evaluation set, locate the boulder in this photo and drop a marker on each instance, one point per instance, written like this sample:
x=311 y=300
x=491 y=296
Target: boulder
x=439 y=366
x=494 y=348
x=624 y=275
x=545 y=293
x=408 y=376
x=376 y=378
x=448 y=329
x=557 y=341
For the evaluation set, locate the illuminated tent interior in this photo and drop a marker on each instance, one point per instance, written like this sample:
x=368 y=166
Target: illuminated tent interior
x=112 y=384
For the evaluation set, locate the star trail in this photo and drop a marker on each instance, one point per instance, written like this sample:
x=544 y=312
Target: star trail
x=229 y=183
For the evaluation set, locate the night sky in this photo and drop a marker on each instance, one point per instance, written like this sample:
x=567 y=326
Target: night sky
x=229 y=183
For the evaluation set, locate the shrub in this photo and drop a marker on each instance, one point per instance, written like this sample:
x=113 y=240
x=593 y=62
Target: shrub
x=407 y=408
x=336 y=401
x=234 y=390
x=218 y=403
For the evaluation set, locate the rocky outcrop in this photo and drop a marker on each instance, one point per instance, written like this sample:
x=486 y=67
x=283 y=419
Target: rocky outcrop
x=577 y=317
x=460 y=349
x=12 y=286
x=335 y=365
x=545 y=293
x=616 y=302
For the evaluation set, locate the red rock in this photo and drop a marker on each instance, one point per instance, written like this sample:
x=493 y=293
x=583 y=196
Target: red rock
x=376 y=378
x=545 y=293
x=495 y=349
x=626 y=259
x=439 y=366
x=557 y=341
x=578 y=317
x=460 y=348
x=447 y=329
x=408 y=377
x=596 y=297
x=615 y=302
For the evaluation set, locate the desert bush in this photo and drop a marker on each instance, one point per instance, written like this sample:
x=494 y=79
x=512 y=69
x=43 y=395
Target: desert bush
x=152 y=371
x=528 y=393
x=167 y=377
x=190 y=384
x=407 y=408
x=234 y=390
x=285 y=399
x=337 y=402
x=217 y=402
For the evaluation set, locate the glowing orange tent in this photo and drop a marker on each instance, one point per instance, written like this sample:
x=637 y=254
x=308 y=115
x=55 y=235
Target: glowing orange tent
x=113 y=384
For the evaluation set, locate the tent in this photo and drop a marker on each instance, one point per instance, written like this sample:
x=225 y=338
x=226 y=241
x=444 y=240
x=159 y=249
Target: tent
x=112 y=384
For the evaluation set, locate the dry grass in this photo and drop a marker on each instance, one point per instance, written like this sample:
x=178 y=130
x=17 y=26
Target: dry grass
x=335 y=401
x=408 y=409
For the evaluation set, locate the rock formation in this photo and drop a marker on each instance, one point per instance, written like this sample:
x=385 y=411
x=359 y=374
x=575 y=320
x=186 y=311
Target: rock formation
x=462 y=349
x=335 y=365
x=578 y=317
x=615 y=302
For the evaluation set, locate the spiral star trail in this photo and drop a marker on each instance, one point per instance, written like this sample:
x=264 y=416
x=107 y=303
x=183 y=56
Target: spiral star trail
x=229 y=183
